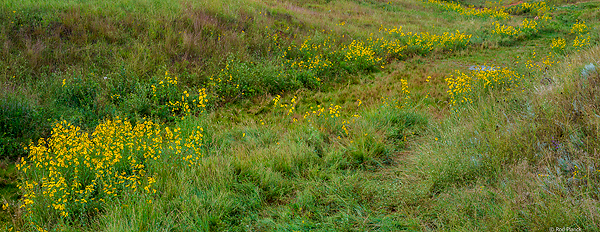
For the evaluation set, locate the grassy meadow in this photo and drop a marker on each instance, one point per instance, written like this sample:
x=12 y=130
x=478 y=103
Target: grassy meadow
x=317 y=115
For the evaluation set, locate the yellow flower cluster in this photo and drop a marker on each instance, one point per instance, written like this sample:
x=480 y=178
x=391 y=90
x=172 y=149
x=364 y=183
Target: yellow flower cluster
x=5 y=206
x=330 y=116
x=422 y=42
x=194 y=143
x=72 y=172
x=358 y=51
x=332 y=111
x=115 y=96
x=529 y=25
x=501 y=29
x=166 y=83
x=319 y=58
x=165 y=89
x=316 y=64
x=359 y=54
x=288 y=107
x=405 y=90
x=579 y=28
x=183 y=106
x=463 y=87
x=327 y=117
x=459 y=88
x=318 y=111
x=313 y=57
x=539 y=8
x=496 y=12
x=541 y=65
x=583 y=37
x=581 y=41
x=394 y=48
x=549 y=60
x=428 y=42
x=276 y=100
x=559 y=43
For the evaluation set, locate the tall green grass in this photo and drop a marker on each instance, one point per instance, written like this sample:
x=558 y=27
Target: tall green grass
x=522 y=160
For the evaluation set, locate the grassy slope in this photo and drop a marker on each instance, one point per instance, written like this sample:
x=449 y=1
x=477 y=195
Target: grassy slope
x=422 y=167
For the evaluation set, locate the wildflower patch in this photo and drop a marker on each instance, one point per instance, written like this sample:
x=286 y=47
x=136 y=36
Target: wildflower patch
x=74 y=174
x=464 y=87
x=495 y=12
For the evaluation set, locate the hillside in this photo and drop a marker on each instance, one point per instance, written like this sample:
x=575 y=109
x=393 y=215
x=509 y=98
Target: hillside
x=344 y=115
